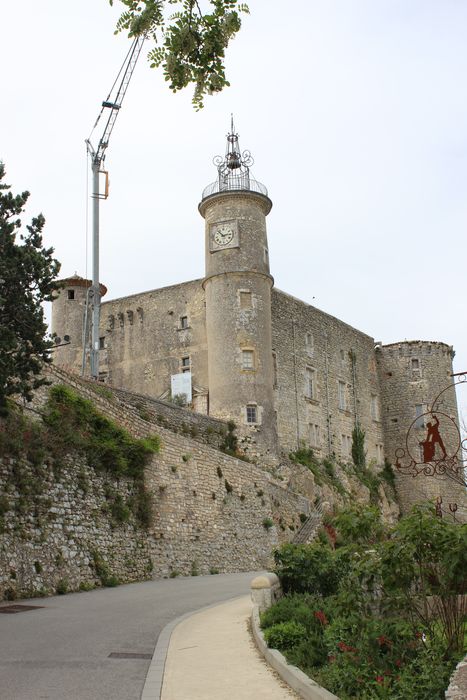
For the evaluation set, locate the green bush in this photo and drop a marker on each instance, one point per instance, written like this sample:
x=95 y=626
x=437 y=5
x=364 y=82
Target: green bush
x=367 y=632
x=358 y=447
x=76 y=424
x=309 y=568
x=285 y=635
x=62 y=586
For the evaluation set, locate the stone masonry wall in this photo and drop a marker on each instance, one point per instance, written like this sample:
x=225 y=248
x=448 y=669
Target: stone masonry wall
x=212 y=512
x=312 y=345
x=58 y=532
x=145 y=340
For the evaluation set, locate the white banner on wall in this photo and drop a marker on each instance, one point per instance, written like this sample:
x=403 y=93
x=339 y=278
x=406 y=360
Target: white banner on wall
x=180 y=384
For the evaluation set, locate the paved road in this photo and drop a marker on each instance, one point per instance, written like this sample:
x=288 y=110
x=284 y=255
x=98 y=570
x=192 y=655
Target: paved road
x=61 y=652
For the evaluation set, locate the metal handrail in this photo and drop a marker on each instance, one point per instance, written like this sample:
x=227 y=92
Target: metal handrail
x=233 y=184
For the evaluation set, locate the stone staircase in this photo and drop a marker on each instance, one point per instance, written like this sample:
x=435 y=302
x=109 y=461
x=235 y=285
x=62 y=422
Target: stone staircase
x=310 y=527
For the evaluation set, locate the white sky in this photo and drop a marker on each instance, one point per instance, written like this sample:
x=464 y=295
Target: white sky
x=354 y=110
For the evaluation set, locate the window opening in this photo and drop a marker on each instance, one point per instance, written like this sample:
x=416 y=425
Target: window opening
x=183 y=321
x=248 y=359
x=420 y=422
x=310 y=384
x=245 y=300
x=251 y=414
x=374 y=407
x=314 y=433
x=71 y=294
x=341 y=396
x=309 y=343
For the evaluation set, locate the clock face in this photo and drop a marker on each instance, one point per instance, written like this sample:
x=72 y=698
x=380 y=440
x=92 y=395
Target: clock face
x=223 y=235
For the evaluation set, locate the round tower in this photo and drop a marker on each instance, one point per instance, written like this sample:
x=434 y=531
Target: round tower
x=420 y=421
x=68 y=318
x=238 y=299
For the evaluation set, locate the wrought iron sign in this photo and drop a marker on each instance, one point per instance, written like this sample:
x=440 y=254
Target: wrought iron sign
x=442 y=452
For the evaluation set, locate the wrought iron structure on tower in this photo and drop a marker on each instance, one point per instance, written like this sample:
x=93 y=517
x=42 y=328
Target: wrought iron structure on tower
x=234 y=169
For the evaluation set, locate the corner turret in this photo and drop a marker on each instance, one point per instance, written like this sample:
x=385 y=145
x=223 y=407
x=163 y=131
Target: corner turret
x=68 y=319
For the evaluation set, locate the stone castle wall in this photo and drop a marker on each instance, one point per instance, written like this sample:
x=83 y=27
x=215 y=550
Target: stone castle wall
x=212 y=512
x=310 y=345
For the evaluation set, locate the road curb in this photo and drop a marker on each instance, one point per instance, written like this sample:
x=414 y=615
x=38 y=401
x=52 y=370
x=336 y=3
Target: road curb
x=152 y=689
x=307 y=688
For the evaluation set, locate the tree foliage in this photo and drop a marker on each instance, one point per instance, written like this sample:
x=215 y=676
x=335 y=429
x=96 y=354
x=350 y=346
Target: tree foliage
x=190 y=42
x=27 y=274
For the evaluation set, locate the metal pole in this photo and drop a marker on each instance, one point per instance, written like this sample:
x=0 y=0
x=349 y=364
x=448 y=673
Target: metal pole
x=95 y=289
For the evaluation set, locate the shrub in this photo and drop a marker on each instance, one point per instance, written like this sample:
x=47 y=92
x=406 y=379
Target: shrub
x=86 y=586
x=10 y=594
x=309 y=568
x=62 y=586
x=119 y=510
x=75 y=423
x=230 y=442
x=387 y=473
x=285 y=635
x=268 y=523
x=358 y=447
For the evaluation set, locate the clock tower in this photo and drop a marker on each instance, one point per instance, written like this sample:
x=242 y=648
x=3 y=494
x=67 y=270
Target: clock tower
x=238 y=300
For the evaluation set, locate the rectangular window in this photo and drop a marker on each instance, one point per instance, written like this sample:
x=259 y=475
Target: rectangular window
x=248 y=359
x=415 y=366
x=274 y=370
x=71 y=294
x=379 y=454
x=314 y=435
x=346 y=445
x=374 y=407
x=183 y=321
x=309 y=343
x=251 y=414
x=341 y=396
x=310 y=383
x=101 y=343
x=245 y=300
x=186 y=364
x=420 y=422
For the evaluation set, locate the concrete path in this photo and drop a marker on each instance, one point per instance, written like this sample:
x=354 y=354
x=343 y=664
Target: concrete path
x=98 y=645
x=212 y=656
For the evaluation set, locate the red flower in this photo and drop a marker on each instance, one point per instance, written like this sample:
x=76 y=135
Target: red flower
x=398 y=663
x=384 y=641
x=321 y=617
x=379 y=679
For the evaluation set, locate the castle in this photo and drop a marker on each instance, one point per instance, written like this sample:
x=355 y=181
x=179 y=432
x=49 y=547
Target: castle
x=236 y=348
